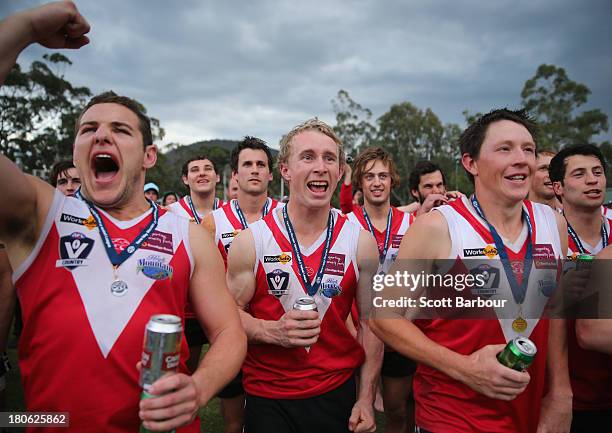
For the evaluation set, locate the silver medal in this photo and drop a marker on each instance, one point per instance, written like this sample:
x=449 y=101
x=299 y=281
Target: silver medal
x=119 y=288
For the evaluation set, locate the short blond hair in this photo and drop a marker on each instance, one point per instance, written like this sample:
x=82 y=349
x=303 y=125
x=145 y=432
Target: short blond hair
x=310 y=124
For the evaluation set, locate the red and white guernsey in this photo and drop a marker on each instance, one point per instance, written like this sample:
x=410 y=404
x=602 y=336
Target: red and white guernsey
x=228 y=225
x=182 y=208
x=81 y=341
x=606 y=212
x=277 y=372
x=445 y=405
x=400 y=221
x=590 y=371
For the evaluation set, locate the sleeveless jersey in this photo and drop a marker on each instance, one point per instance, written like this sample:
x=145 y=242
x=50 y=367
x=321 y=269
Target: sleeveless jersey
x=590 y=371
x=606 y=212
x=181 y=208
x=399 y=224
x=228 y=225
x=446 y=405
x=80 y=341
x=277 y=372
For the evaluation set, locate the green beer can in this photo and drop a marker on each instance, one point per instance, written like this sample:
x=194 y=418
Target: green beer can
x=518 y=354
x=584 y=261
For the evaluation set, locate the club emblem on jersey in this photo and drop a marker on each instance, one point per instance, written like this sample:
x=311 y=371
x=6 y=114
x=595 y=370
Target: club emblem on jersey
x=74 y=250
x=490 y=275
x=120 y=244
x=282 y=258
x=331 y=288
x=278 y=282
x=154 y=267
x=490 y=251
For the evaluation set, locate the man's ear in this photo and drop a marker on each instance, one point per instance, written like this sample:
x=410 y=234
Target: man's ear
x=150 y=157
x=470 y=164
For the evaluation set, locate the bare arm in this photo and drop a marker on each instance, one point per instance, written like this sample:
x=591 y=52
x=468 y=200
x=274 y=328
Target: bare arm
x=429 y=239
x=7 y=299
x=209 y=224
x=56 y=25
x=294 y=328
x=215 y=309
x=362 y=417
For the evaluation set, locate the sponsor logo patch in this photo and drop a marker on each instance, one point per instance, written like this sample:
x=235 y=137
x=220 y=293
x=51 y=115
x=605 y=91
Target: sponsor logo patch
x=278 y=282
x=88 y=222
x=155 y=267
x=396 y=240
x=283 y=258
x=331 y=288
x=547 y=286
x=490 y=251
x=335 y=264
x=160 y=242
x=228 y=235
x=74 y=250
x=544 y=256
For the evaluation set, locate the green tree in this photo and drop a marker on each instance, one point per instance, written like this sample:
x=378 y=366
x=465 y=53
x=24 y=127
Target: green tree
x=353 y=125
x=554 y=100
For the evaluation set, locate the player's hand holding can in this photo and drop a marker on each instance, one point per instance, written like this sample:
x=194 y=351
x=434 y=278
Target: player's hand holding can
x=299 y=327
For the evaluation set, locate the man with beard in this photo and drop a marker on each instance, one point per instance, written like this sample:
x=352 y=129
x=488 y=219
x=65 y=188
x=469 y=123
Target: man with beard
x=578 y=174
x=428 y=187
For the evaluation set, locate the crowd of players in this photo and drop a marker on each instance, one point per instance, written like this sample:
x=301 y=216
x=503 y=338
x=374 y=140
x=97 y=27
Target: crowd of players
x=93 y=258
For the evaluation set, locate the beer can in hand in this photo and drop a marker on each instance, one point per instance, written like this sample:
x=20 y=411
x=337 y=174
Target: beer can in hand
x=518 y=354
x=305 y=304
x=160 y=352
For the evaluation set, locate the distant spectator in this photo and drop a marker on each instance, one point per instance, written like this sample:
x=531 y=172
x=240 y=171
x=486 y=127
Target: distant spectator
x=169 y=197
x=151 y=191
x=65 y=177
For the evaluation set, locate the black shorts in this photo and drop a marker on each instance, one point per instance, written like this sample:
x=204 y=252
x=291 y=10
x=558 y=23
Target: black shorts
x=194 y=333
x=232 y=389
x=591 y=421
x=325 y=413
x=396 y=365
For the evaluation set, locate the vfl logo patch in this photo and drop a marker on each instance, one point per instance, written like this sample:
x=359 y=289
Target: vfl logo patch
x=491 y=277
x=283 y=258
x=154 y=267
x=88 y=222
x=74 y=250
x=331 y=288
x=278 y=281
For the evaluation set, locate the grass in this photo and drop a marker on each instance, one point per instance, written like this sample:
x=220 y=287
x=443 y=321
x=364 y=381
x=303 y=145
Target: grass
x=210 y=415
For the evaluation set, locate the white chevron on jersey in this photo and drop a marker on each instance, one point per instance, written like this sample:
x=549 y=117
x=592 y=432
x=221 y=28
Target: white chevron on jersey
x=394 y=241
x=108 y=314
x=227 y=227
x=469 y=244
x=344 y=245
x=181 y=208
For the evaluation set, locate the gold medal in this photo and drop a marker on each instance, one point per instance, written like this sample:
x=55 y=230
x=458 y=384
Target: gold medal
x=519 y=324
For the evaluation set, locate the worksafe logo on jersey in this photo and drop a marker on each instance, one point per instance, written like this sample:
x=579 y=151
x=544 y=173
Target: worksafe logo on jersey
x=88 y=222
x=490 y=251
x=282 y=258
x=155 y=267
x=331 y=288
x=278 y=282
x=74 y=250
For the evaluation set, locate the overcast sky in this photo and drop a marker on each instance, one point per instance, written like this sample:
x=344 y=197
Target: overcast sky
x=225 y=69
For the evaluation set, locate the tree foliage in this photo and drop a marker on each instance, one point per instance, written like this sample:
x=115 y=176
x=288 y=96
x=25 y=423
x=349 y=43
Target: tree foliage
x=554 y=100
x=353 y=125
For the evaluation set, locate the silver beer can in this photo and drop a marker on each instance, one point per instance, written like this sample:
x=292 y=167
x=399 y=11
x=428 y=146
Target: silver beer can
x=161 y=348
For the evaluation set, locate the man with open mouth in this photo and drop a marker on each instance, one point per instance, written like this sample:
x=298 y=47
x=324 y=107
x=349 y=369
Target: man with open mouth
x=578 y=174
x=84 y=299
x=302 y=361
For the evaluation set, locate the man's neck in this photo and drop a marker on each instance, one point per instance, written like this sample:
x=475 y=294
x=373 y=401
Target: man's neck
x=124 y=211
x=504 y=216
x=308 y=223
x=586 y=222
x=252 y=205
x=552 y=202
x=203 y=202
x=378 y=214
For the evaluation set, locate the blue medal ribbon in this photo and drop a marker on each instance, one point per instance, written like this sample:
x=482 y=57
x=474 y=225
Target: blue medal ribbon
x=313 y=287
x=242 y=218
x=381 y=254
x=576 y=239
x=118 y=259
x=196 y=217
x=518 y=291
